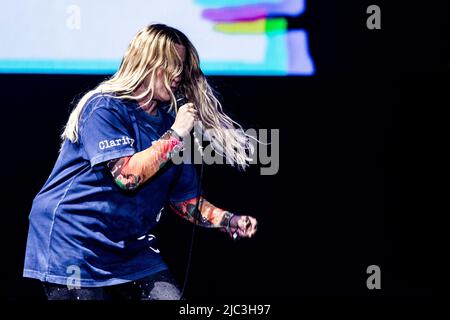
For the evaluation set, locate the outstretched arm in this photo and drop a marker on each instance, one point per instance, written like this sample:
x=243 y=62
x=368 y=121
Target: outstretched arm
x=210 y=216
x=130 y=172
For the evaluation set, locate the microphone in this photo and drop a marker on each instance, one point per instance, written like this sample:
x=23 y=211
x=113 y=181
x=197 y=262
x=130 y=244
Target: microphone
x=180 y=98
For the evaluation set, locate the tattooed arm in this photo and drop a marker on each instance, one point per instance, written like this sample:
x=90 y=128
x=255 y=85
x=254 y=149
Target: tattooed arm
x=130 y=172
x=210 y=216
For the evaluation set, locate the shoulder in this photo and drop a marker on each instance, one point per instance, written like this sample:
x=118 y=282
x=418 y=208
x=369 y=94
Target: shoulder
x=103 y=108
x=104 y=103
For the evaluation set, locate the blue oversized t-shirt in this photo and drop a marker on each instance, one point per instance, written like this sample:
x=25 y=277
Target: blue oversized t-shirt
x=81 y=223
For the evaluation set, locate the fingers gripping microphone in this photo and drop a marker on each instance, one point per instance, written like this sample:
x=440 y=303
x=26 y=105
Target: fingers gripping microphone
x=182 y=100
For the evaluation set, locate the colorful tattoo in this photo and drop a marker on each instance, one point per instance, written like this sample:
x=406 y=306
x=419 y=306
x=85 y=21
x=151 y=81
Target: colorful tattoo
x=130 y=172
x=209 y=216
x=124 y=179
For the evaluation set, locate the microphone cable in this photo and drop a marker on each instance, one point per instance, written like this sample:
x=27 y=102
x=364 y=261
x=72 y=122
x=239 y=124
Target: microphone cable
x=181 y=100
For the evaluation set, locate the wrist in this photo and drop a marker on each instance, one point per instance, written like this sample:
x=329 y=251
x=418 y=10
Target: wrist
x=230 y=225
x=226 y=221
x=176 y=134
x=176 y=144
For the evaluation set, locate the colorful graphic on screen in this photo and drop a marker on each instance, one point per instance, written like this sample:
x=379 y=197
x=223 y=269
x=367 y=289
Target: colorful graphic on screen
x=233 y=37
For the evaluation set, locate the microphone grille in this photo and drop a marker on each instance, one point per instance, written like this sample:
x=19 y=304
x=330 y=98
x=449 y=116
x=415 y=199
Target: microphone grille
x=180 y=98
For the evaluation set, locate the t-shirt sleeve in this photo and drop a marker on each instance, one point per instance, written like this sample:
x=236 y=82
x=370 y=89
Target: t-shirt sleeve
x=107 y=134
x=186 y=186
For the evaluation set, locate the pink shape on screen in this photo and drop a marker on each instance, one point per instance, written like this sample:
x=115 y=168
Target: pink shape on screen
x=253 y=12
x=235 y=14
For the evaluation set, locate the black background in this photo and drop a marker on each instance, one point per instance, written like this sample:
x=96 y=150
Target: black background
x=354 y=172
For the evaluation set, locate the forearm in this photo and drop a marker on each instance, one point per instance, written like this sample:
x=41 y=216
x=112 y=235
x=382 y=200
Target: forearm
x=208 y=215
x=130 y=172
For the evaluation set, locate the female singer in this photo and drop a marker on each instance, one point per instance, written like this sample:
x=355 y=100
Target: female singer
x=90 y=225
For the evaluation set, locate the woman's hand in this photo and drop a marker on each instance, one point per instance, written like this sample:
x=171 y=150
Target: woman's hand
x=184 y=122
x=243 y=226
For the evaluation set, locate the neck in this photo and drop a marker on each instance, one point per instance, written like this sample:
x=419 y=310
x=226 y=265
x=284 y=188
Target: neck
x=147 y=106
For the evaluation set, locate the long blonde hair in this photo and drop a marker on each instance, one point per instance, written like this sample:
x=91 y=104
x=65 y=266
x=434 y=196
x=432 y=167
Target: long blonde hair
x=153 y=48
